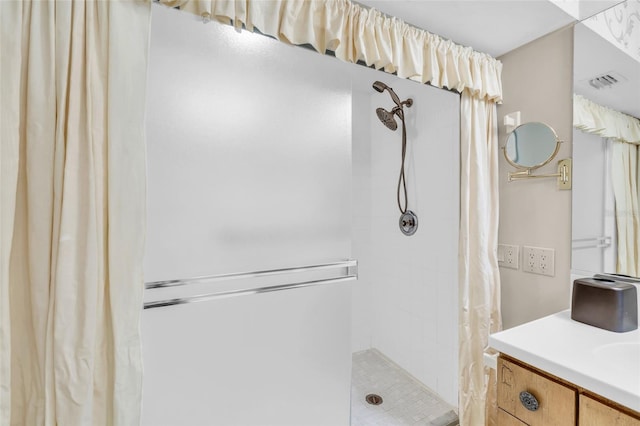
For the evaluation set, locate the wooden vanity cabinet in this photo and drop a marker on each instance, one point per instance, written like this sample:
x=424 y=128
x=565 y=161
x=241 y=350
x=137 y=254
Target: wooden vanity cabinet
x=596 y=413
x=506 y=419
x=554 y=404
x=530 y=397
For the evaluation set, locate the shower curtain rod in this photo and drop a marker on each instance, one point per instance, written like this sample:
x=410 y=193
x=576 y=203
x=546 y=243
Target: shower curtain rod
x=348 y=264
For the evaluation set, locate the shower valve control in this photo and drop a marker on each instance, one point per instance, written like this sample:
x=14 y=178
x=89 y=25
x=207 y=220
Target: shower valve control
x=408 y=223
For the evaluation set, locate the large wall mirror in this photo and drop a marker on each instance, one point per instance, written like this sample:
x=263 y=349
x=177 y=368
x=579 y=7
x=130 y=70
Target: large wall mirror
x=607 y=73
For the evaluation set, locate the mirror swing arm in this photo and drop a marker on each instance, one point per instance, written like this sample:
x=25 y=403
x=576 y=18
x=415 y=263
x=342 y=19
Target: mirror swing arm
x=563 y=175
x=533 y=145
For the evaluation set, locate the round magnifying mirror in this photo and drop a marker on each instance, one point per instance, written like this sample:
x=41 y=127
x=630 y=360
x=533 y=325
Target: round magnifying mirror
x=531 y=145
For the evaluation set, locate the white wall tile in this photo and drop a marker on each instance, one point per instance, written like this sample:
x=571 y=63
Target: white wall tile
x=414 y=311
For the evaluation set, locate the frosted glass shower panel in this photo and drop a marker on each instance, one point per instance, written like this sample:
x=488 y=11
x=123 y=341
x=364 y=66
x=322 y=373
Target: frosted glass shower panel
x=270 y=359
x=249 y=168
x=249 y=147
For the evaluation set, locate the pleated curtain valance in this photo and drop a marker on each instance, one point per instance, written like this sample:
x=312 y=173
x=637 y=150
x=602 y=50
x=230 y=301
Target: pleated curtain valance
x=355 y=33
x=600 y=120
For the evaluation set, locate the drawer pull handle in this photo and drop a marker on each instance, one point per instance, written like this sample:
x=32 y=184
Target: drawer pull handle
x=529 y=401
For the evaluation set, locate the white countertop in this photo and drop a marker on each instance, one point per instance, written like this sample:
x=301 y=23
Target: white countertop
x=603 y=362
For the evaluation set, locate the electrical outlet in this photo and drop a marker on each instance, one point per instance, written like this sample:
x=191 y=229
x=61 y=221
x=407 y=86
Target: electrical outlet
x=512 y=255
x=529 y=259
x=538 y=260
x=546 y=261
x=508 y=256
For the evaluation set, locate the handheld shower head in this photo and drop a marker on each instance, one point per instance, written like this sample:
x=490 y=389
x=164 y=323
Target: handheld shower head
x=408 y=220
x=381 y=87
x=387 y=118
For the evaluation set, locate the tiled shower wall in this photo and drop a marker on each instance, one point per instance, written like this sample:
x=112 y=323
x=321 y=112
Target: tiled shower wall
x=405 y=303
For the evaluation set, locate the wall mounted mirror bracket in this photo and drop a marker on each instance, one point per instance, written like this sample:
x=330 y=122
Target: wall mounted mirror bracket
x=530 y=146
x=563 y=175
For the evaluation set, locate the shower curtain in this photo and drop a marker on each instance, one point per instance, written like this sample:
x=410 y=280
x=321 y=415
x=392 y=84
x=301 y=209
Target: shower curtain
x=478 y=266
x=625 y=178
x=72 y=210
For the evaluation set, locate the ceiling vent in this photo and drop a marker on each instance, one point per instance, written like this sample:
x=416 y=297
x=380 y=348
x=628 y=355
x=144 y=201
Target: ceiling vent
x=607 y=80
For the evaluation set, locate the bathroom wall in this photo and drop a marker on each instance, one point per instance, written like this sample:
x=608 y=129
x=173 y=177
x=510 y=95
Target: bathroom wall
x=405 y=302
x=537 y=81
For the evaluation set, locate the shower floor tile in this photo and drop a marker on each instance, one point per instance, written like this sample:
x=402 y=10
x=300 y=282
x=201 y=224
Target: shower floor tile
x=406 y=401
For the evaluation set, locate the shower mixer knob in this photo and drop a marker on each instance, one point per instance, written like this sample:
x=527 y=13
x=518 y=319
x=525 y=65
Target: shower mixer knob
x=408 y=223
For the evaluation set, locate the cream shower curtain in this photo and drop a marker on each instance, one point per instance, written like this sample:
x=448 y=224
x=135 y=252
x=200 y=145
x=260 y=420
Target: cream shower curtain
x=478 y=266
x=625 y=179
x=72 y=212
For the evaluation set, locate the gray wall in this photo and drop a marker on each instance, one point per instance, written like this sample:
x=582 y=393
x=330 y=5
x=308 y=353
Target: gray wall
x=537 y=81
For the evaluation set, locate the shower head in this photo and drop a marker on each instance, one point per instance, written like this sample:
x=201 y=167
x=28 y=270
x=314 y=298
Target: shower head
x=387 y=118
x=381 y=87
x=408 y=220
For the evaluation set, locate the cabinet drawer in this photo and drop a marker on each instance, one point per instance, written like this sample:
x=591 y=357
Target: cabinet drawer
x=556 y=403
x=595 y=413
x=506 y=419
